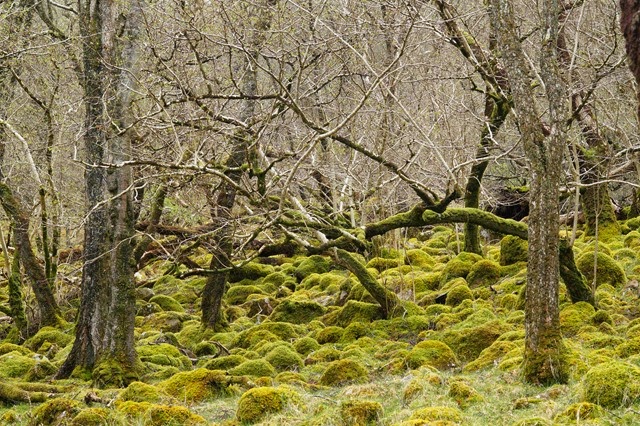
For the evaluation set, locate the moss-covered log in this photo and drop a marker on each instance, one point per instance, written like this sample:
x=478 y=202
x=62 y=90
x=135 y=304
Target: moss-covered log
x=386 y=299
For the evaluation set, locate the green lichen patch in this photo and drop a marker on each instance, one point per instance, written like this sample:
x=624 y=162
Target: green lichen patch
x=197 y=385
x=342 y=372
x=607 y=271
x=513 y=250
x=57 y=411
x=361 y=413
x=259 y=402
x=140 y=392
x=612 y=385
x=255 y=368
x=297 y=310
x=159 y=415
x=167 y=303
x=431 y=353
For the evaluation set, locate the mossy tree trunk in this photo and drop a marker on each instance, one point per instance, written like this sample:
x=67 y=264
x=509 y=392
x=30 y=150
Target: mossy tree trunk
x=16 y=302
x=544 y=355
x=104 y=344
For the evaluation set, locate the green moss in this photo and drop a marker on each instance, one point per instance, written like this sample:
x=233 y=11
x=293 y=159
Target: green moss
x=484 y=273
x=468 y=342
x=628 y=348
x=164 y=354
x=459 y=266
x=632 y=240
x=254 y=367
x=111 y=372
x=43 y=368
x=612 y=385
x=284 y=358
x=601 y=317
x=457 y=294
x=54 y=412
x=343 y=371
x=574 y=317
x=358 y=293
x=306 y=345
x=533 y=421
x=255 y=403
x=331 y=334
x=513 y=250
x=5 y=348
x=238 y=294
x=267 y=331
x=315 y=263
x=361 y=413
x=168 y=321
x=607 y=271
x=324 y=354
x=225 y=362
x=419 y=259
x=48 y=335
x=140 y=392
x=94 y=416
x=431 y=353
x=250 y=271
x=431 y=414
x=354 y=311
x=13 y=364
x=579 y=412
x=297 y=310
x=463 y=394
x=197 y=385
x=167 y=303
x=490 y=356
x=382 y=264
x=13 y=394
x=160 y=415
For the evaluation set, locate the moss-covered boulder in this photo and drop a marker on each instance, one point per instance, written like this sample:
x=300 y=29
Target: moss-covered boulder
x=48 y=335
x=306 y=345
x=331 y=334
x=197 y=385
x=463 y=393
x=382 y=264
x=491 y=356
x=284 y=358
x=312 y=264
x=343 y=371
x=164 y=354
x=435 y=414
x=483 y=273
x=354 y=311
x=259 y=402
x=93 y=416
x=419 y=259
x=361 y=413
x=575 y=316
x=167 y=303
x=224 y=362
x=255 y=368
x=607 y=271
x=579 y=412
x=238 y=294
x=5 y=348
x=459 y=266
x=431 y=353
x=468 y=342
x=297 y=310
x=56 y=411
x=140 y=392
x=513 y=250
x=250 y=271
x=14 y=364
x=612 y=385
x=458 y=294
x=159 y=415
x=166 y=321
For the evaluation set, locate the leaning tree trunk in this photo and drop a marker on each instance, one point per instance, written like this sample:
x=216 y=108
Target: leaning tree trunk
x=104 y=344
x=544 y=356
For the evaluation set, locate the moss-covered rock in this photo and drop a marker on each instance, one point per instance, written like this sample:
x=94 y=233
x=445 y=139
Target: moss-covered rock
x=306 y=345
x=331 y=334
x=164 y=354
x=433 y=414
x=491 y=356
x=575 y=316
x=459 y=266
x=49 y=335
x=382 y=264
x=238 y=294
x=258 y=402
x=343 y=371
x=57 y=411
x=13 y=364
x=255 y=368
x=5 y=348
x=361 y=413
x=250 y=271
x=224 y=362
x=311 y=264
x=607 y=272
x=197 y=385
x=457 y=294
x=166 y=321
x=468 y=342
x=167 y=303
x=513 y=250
x=284 y=358
x=463 y=393
x=612 y=385
x=324 y=354
x=297 y=310
x=579 y=412
x=431 y=353
x=483 y=273
x=160 y=415
x=354 y=311
x=419 y=259
x=140 y=392
x=93 y=416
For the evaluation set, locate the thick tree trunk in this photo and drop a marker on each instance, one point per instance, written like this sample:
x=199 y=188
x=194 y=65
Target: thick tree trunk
x=104 y=345
x=630 y=25
x=16 y=302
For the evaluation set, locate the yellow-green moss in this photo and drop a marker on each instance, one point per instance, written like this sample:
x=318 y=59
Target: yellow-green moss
x=57 y=411
x=612 y=385
x=361 y=413
x=468 y=342
x=607 y=272
x=483 y=274
x=309 y=265
x=382 y=264
x=297 y=310
x=354 y=311
x=256 y=403
x=284 y=358
x=238 y=294
x=13 y=364
x=331 y=334
x=160 y=415
x=167 y=303
x=5 y=348
x=419 y=259
x=579 y=412
x=513 y=250
x=324 y=354
x=431 y=353
x=197 y=385
x=431 y=414
x=48 y=335
x=457 y=294
x=93 y=416
x=306 y=345
x=343 y=371
x=250 y=271
x=140 y=392
x=254 y=367
x=574 y=317
x=628 y=348
x=490 y=356
x=459 y=266
x=463 y=393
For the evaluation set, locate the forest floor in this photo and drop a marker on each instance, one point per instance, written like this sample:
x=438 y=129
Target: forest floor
x=307 y=345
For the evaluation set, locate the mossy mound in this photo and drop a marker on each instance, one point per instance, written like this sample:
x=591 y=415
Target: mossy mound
x=513 y=250
x=255 y=368
x=57 y=411
x=225 y=362
x=166 y=321
x=468 y=342
x=628 y=348
x=459 y=266
x=382 y=264
x=238 y=294
x=354 y=311
x=612 y=385
x=419 y=259
x=463 y=394
x=5 y=348
x=284 y=358
x=140 y=392
x=491 y=356
x=167 y=303
x=13 y=364
x=574 y=317
x=50 y=336
x=197 y=385
x=250 y=271
x=330 y=334
x=431 y=353
x=458 y=294
x=632 y=240
x=343 y=371
x=306 y=345
x=312 y=264
x=607 y=272
x=297 y=310
x=361 y=413
x=432 y=414
x=159 y=415
x=93 y=416
x=483 y=274
x=164 y=354
x=267 y=331
x=324 y=354
x=256 y=403
x=579 y=412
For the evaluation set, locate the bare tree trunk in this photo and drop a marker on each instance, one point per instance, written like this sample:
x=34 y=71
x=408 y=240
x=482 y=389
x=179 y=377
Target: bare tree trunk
x=104 y=344
x=630 y=25
x=544 y=356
